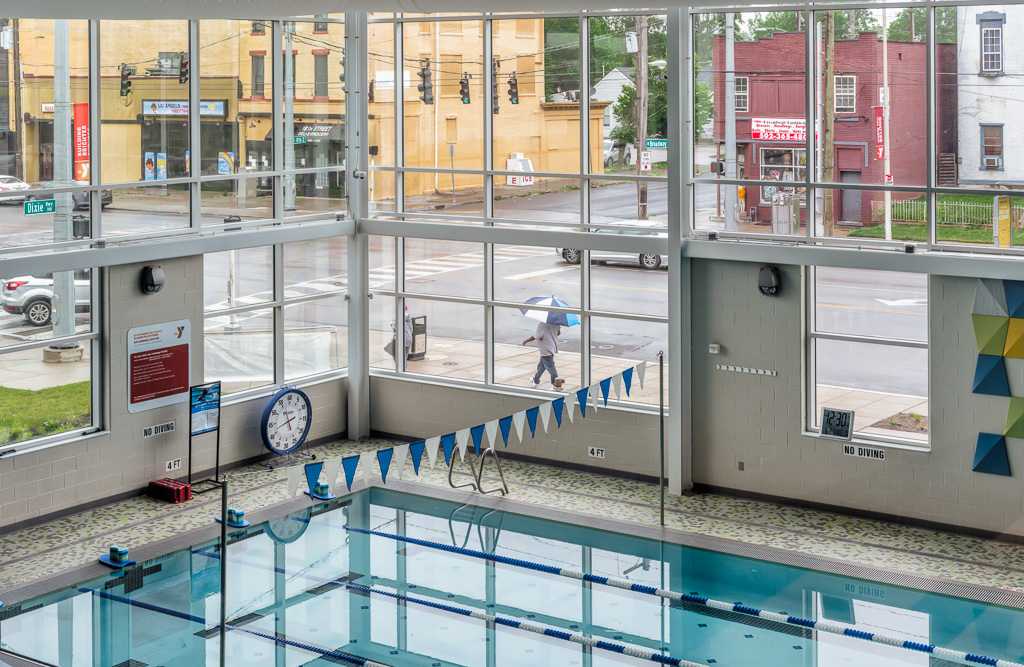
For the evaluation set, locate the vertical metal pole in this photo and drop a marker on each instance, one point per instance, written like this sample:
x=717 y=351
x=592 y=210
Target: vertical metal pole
x=585 y=169
x=95 y=121
x=223 y=572
x=931 y=92
x=887 y=195
x=661 y=431
x=195 y=191
x=190 y=456
x=731 y=170
x=277 y=112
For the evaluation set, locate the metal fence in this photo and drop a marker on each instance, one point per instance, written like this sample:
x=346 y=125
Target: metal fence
x=953 y=213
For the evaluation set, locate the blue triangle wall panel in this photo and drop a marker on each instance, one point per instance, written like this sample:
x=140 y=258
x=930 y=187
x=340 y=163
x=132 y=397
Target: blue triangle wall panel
x=990 y=376
x=990 y=455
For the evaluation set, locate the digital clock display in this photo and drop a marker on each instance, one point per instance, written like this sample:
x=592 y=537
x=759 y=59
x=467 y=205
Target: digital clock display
x=837 y=424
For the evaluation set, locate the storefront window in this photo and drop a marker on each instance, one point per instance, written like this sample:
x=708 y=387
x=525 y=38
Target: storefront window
x=782 y=164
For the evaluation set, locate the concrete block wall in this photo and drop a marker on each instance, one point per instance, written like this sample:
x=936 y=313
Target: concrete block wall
x=757 y=419
x=422 y=410
x=119 y=460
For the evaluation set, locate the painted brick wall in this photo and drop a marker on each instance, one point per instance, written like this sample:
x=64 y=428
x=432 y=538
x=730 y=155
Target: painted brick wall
x=757 y=419
x=121 y=460
x=421 y=410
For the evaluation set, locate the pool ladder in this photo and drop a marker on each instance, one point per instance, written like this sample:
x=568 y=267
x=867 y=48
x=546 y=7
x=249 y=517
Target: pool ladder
x=487 y=545
x=477 y=484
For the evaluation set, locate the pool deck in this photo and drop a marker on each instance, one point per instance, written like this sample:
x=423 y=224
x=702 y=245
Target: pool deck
x=46 y=550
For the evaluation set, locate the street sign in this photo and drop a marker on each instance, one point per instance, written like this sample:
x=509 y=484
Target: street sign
x=46 y=206
x=300 y=140
x=657 y=143
x=645 y=160
x=879 y=132
x=888 y=179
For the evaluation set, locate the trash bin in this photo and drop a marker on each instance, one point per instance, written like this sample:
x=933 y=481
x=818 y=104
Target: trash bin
x=80 y=225
x=419 y=338
x=782 y=213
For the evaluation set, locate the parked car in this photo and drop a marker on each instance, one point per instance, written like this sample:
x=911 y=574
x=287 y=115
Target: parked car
x=32 y=296
x=648 y=261
x=612 y=152
x=10 y=187
x=80 y=199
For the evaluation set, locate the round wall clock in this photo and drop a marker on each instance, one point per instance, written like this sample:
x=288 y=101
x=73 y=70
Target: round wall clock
x=288 y=529
x=285 y=421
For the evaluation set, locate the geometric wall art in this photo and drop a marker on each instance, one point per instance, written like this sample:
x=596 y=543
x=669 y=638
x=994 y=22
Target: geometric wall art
x=990 y=376
x=990 y=455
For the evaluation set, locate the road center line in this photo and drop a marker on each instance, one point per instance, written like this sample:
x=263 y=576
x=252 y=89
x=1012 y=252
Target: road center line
x=544 y=272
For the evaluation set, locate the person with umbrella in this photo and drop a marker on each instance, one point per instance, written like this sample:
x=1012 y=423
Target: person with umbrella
x=547 y=332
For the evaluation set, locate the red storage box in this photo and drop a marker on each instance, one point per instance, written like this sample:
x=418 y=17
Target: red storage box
x=171 y=491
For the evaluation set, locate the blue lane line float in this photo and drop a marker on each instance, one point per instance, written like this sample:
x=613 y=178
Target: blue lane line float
x=822 y=625
x=236 y=518
x=117 y=558
x=321 y=492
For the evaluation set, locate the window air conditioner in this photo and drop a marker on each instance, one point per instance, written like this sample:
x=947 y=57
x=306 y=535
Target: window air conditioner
x=992 y=162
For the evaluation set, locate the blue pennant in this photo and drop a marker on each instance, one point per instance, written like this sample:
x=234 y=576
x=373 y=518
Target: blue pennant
x=448 y=442
x=558 y=404
x=384 y=458
x=506 y=424
x=627 y=378
x=313 y=475
x=581 y=396
x=605 y=386
x=349 y=463
x=478 y=434
x=531 y=419
x=416 y=449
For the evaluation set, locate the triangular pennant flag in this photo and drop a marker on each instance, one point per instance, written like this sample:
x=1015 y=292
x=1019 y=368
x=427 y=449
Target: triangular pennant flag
x=349 y=464
x=557 y=406
x=448 y=443
x=401 y=454
x=990 y=455
x=505 y=423
x=627 y=378
x=384 y=459
x=462 y=437
x=416 y=449
x=606 y=384
x=366 y=467
x=641 y=369
x=294 y=475
x=531 y=419
x=478 y=435
x=331 y=468
x=431 y=445
x=313 y=475
x=593 y=395
x=581 y=396
x=545 y=415
x=617 y=385
x=491 y=428
x=518 y=420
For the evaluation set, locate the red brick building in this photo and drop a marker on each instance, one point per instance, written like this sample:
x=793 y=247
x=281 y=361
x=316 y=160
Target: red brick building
x=770 y=113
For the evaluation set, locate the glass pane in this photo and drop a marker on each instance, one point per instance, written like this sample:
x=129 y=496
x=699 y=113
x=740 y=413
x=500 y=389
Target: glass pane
x=615 y=345
x=966 y=219
x=315 y=337
x=322 y=192
x=634 y=282
x=238 y=350
x=145 y=116
x=444 y=194
x=643 y=204
x=883 y=304
x=382 y=263
x=861 y=214
x=382 y=191
x=39 y=399
x=382 y=315
x=237 y=278
x=517 y=364
x=38 y=307
x=144 y=210
x=381 y=64
x=521 y=272
x=552 y=199
x=444 y=267
x=232 y=201
x=885 y=386
x=451 y=342
x=312 y=267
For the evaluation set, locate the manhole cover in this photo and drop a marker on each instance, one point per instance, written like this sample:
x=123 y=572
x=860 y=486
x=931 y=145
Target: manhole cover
x=605 y=347
x=451 y=363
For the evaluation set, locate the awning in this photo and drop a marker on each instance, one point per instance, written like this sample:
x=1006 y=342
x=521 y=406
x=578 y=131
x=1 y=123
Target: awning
x=315 y=133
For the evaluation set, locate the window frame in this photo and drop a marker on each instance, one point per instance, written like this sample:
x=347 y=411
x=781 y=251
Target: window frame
x=258 y=83
x=997 y=52
x=794 y=167
x=983 y=147
x=850 y=81
x=745 y=94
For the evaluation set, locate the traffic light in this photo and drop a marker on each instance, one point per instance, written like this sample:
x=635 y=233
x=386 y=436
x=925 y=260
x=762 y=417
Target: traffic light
x=464 y=87
x=513 y=89
x=341 y=77
x=369 y=95
x=426 y=87
x=494 y=86
x=126 y=85
x=183 y=68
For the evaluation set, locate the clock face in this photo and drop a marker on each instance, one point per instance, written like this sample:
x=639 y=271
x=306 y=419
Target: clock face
x=289 y=528
x=286 y=421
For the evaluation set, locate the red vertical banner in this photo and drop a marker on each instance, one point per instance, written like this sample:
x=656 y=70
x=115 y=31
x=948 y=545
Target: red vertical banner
x=879 y=133
x=81 y=140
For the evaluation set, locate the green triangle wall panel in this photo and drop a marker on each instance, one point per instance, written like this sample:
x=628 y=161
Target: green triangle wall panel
x=990 y=333
x=1015 y=419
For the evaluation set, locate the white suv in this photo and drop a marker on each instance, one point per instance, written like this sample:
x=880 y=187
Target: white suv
x=32 y=296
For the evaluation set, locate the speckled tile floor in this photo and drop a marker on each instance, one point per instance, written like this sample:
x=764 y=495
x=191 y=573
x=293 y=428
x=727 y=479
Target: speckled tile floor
x=47 y=549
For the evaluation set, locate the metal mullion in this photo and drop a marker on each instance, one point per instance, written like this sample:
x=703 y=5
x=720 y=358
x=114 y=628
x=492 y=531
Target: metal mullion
x=277 y=114
x=307 y=298
x=809 y=319
x=872 y=340
x=632 y=317
x=400 y=305
x=810 y=137
x=488 y=126
x=95 y=129
x=930 y=93
x=584 y=40
x=399 y=73
x=278 y=314
x=194 y=135
x=465 y=300
x=34 y=345
x=246 y=308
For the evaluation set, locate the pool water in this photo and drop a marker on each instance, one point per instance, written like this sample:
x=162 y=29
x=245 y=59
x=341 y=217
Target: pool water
x=288 y=602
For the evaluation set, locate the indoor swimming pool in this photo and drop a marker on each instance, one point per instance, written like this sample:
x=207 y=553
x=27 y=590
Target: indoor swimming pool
x=382 y=577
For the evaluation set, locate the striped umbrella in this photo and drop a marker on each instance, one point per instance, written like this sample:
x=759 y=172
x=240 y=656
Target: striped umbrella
x=561 y=319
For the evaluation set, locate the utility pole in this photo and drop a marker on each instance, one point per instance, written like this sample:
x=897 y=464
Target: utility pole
x=731 y=196
x=19 y=131
x=885 y=117
x=63 y=281
x=828 y=130
x=641 y=116
x=819 y=194
x=289 y=118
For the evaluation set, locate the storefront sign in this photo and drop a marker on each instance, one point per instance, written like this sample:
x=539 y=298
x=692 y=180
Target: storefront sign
x=158 y=365
x=778 y=129
x=314 y=133
x=180 y=108
x=879 y=133
x=81 y=141
x=47 y=107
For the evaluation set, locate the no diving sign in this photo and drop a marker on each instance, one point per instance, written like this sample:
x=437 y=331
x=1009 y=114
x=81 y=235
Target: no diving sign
x=864 y=452
x=158 y=429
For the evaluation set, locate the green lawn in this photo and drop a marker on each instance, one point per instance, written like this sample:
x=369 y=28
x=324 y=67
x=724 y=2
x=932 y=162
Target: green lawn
x=26 y=414
x=918 y=233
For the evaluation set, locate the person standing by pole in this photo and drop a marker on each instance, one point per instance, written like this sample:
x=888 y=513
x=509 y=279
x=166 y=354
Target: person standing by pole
x=546 y=336
x=408 y=338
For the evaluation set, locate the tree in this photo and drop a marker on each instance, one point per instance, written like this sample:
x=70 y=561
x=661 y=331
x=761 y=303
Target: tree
x=945 y=25
x=625 y=110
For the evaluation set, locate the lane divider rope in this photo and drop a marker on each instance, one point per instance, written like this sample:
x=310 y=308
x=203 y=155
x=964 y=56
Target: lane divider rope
x=822 y=626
